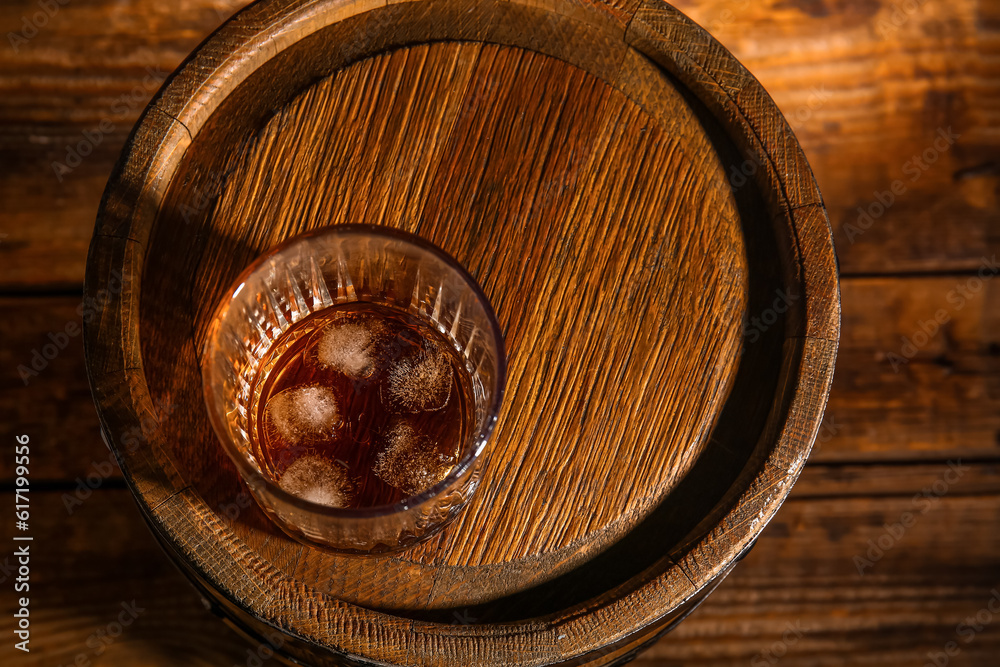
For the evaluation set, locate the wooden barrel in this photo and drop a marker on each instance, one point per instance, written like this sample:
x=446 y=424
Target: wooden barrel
x=638 y=213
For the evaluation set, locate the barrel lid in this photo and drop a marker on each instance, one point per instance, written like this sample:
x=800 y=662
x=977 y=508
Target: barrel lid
x=640 y=216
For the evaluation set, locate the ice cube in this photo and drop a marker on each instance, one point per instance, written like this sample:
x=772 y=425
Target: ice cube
x=304 y=413
x=317 y=480
x=350 y=348
x=419 y=381
x=411 y=461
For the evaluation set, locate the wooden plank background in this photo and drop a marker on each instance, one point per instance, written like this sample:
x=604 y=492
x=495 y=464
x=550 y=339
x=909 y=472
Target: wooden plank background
x=887 y=552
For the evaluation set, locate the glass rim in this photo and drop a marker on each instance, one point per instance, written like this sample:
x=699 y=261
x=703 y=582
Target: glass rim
x=482 y=435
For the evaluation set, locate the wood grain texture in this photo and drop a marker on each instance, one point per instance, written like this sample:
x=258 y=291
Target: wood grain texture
x=867 y=87
x=636 y=278
x=520 y=171
x=887 y=96
x=611 y=245
x=44 y=387
x=916 y=349
x=862 y=105
x=765 y=142
x=801 y=573
x=75 y=90
x=942 y=403
x=108 y=597
x=798 y=598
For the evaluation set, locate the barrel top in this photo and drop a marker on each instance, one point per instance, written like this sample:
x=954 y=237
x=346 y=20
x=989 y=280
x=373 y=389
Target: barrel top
x=629 y=199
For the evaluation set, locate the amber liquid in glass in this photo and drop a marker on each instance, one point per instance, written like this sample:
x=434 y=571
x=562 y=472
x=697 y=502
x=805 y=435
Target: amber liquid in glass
x=360 y=405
